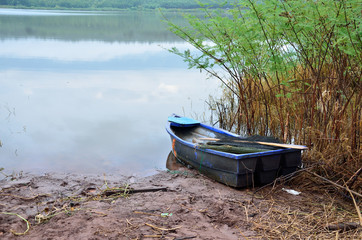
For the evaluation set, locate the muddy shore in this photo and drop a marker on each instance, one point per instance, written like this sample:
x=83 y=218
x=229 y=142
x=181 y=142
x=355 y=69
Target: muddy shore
x=178 y=204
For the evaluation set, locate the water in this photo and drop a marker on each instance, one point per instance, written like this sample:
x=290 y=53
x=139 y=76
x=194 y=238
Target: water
x=91 y=92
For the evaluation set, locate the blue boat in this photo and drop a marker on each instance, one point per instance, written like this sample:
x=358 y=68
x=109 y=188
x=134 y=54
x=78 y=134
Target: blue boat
x=236 y=161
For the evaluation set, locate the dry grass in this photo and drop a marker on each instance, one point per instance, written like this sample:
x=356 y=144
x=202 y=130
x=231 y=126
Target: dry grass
x=315 y=214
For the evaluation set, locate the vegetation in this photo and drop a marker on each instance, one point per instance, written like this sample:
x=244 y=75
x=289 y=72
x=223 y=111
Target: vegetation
x=291 y=69
x=103 y=4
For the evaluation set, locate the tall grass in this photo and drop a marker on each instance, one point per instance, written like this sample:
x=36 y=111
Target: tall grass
x=291 y=69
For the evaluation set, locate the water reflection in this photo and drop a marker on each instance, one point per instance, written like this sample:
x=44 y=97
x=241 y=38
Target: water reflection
x=91 y=105
x=124 y=26
x=35 y=12
x=92 y=55
x=92 y=120
x=172 y=163
x=90 y=51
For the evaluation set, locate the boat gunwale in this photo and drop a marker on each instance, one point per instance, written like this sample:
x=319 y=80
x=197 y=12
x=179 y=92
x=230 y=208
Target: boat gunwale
x=225 y=154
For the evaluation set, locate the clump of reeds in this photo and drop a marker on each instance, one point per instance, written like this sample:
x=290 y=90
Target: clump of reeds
x=330 y=126
x=290 y=69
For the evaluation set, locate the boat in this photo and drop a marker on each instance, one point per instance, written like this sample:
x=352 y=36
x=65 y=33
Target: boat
x=228 y=158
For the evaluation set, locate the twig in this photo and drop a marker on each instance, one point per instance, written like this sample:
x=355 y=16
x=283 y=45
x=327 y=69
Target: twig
x=99 y=213
x=128 y=222
x=131 y=191
x=343 y=226
x=242 y=233
x=351 y=181
x=181 y=238
x=163 y=229
x=246 y=214
x=357 y=207
x=27 y=224
x=163 y=189
x=105 y=180
x=335 y=184
x=25 y=198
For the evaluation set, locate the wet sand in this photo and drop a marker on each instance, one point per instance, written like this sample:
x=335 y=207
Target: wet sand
x=187 y=205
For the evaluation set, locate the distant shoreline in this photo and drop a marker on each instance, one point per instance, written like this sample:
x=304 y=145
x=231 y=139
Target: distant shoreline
x=104 y=9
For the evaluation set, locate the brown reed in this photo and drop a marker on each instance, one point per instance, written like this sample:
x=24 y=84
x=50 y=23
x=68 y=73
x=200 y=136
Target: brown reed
x=290 y=69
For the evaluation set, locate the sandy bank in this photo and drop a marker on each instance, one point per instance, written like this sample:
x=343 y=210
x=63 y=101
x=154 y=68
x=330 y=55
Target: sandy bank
x=69 y=206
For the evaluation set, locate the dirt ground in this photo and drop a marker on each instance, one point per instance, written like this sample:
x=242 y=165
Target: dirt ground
x=187 y=205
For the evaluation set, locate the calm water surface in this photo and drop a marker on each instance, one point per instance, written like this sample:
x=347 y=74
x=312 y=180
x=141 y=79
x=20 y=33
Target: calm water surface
x=91 y=92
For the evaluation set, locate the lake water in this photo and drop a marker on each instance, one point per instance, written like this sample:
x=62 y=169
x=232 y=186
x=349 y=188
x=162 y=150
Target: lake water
x=90 y=92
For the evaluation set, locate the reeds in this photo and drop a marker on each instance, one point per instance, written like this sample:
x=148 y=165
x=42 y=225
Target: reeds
x=330 y=125
x=290 y=69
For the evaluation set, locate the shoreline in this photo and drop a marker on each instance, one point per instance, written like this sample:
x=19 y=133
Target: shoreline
x=157 y=10
x=76 y=206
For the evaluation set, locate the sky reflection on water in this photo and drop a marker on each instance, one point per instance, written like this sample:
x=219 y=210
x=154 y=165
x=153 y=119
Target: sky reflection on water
x=35 y=12
x=42 y=54
x=91 y=94
x=92 y=106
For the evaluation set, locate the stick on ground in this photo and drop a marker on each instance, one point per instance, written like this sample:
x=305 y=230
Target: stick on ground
x=335 y=184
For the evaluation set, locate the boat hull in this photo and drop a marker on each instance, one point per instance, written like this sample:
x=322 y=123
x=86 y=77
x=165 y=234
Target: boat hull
x=236 y=170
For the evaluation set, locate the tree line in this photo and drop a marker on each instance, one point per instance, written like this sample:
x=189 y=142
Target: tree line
x=104 y=4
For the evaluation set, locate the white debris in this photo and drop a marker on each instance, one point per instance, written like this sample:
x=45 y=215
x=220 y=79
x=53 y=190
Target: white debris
x=291 y=191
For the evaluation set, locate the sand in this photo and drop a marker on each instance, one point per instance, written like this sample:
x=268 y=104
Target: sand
x=186 y=206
